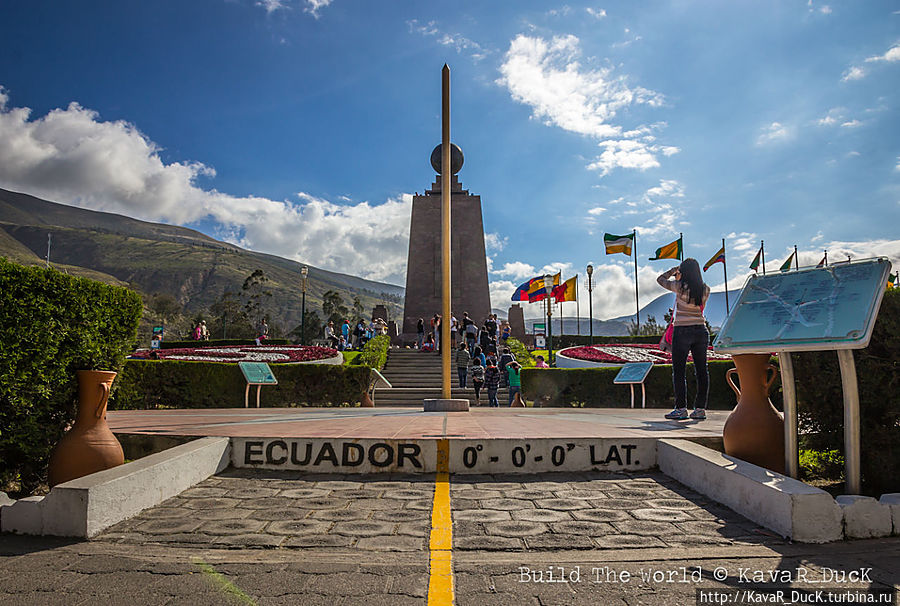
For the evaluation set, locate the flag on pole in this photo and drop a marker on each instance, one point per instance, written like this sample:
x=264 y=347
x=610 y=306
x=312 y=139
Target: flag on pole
x=538 y=291
x=565 y=291
x=669 y=251
x=754 y=265
x=521 y=293
x=824 y=261
x=892 y=280
x=719 y=257
x=618 y=244
x=786 y=266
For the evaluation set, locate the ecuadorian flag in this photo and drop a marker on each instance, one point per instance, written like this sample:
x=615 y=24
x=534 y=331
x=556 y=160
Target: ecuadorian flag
x=618 y=244
x=538 y=291
x=521 y=293
x=719 y=257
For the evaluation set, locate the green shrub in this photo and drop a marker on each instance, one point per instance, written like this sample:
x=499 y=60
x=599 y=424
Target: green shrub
x=518 y=349
x=820 y=400
x=821 y=465
x=51 y=325
x=145 y=384
x=594 y=388
x=218 y=343
x=374 y=354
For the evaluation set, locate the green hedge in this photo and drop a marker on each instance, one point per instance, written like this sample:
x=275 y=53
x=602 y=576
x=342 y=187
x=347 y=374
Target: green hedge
x=218 y=343
x=146 y=384
x=51 y=325
x=820 y=400
x=374 y=354
x=594 y=388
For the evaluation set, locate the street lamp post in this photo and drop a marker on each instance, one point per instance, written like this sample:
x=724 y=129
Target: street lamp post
x=304 y=272
x=548 y=288
x=590 y=272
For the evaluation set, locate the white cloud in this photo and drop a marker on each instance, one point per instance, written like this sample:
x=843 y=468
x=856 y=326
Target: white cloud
x=742 y=241
x=456 y=41
x=774 y=133
x=314 y=6
x=547 y=76
x=853 y=73
x=495 y=242
x=596 y=13
x=72 y=156
x=560 y=12
x=892 y=55
x=517 y=270
x=596 y=211
x=897 y=168
x=659 y=210
x=851 y=124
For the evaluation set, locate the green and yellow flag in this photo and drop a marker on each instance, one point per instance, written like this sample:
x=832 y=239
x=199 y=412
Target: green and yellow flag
x=754 y=265
x=892 y=280
x=669 y=251
x=786 y=266
x=618 y=244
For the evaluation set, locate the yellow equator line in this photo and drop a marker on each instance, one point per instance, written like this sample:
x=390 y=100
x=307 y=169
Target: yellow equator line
x=440 y=583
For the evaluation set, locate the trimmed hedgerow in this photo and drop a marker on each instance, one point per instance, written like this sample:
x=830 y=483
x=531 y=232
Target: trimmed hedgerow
x=820 y=400
x=51 y=325
x=594 y=388
x=518 y=349
x=176 y=384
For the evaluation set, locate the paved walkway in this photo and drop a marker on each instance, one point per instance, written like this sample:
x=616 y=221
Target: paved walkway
x=406 y=423
x=246 y=537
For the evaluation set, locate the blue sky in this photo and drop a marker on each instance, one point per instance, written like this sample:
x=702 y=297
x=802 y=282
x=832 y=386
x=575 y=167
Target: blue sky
x=302 y=128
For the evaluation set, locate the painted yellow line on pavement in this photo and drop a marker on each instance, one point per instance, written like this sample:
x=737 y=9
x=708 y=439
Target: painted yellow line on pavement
x=440 y=583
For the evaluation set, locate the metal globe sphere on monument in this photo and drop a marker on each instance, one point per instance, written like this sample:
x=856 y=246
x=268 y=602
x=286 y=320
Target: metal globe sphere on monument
x=456 y=159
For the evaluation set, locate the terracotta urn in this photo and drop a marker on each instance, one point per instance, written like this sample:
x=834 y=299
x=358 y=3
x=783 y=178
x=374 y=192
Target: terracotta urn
x=89 y=446
x=754 y=431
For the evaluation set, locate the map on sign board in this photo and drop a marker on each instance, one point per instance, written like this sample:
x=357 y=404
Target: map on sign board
x=258 y=373
x=635 y=372
x=820 y=308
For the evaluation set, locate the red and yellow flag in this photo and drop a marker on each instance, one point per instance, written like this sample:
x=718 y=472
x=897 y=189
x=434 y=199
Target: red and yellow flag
x=565 y=291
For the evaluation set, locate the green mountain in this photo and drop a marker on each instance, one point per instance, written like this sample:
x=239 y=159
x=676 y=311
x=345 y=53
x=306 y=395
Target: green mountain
x=155 y=258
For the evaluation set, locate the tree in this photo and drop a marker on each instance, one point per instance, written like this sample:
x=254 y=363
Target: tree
x=333 y=307
x=256 y=296
x=649 y=328
x=313 y=329
x=358 y=310
x=165 y=307
x=228 y=318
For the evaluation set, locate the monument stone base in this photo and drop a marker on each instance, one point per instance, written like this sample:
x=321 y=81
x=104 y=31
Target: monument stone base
x=440 y=405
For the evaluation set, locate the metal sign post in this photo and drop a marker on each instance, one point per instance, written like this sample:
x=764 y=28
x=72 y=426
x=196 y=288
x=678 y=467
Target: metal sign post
x=830 y=308
x=633 y=374
x=259 y=374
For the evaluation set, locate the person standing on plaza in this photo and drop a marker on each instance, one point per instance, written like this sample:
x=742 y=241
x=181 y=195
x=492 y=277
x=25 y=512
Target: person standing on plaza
x=470 y=329
x=689 y=335
x=505 y=359
x=420 y=333
x=505 y=331
x=436 y=331
x=492 y=382
x=477 y=354
x=454 y=329
x=477 y=379
x=462 y=364
x=345 y=332
x=514 y=379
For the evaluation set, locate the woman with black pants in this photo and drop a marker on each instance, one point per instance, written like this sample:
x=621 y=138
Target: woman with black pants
x=689 y=335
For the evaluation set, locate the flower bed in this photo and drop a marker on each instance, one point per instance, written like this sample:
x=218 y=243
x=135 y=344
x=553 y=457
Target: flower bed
x=274 y=354
x=619 y=353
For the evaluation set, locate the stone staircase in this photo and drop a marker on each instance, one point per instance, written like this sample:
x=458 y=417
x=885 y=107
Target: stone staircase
x=416 y=375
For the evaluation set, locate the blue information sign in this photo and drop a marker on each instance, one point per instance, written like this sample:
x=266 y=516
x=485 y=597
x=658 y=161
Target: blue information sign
x=635 y=372
x=257 y=373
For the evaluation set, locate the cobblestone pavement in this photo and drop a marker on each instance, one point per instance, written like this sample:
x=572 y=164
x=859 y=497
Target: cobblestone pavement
x=250 y=537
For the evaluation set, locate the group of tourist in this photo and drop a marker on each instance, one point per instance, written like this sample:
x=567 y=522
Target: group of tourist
x=489 y=336
x=354 y=337
x=489 y=373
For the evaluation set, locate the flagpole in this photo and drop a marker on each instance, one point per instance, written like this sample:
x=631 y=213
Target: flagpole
x=826 y=257
x=681 y=248
x=762 y=249
x=725 y=272
x=577 y=306
x=796 y=258
x=446 y=171
x=637 y=305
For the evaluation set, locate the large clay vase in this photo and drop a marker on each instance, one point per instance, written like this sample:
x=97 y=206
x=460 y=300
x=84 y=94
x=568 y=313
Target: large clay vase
x=89 y=446
x=754 y=431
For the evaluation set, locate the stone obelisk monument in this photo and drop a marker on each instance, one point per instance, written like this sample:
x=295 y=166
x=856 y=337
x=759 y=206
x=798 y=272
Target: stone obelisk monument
x=470 y=291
